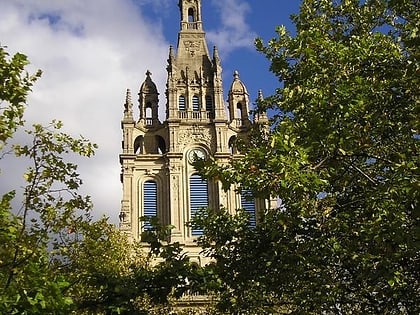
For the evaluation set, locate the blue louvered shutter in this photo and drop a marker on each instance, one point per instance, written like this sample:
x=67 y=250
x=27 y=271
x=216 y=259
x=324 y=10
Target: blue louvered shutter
x=198 y=198
x=149 y=201
x=181 y=103
x=195 y=103
x=248 y=204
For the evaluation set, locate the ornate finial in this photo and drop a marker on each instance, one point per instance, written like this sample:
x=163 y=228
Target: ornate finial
x=216 y=54
x=261 y=114
x=171 y=53
x=128 y=104
x=148 y=73
x=236 y=75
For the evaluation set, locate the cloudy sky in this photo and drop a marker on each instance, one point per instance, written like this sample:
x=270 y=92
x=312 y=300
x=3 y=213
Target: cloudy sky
x=91 y=51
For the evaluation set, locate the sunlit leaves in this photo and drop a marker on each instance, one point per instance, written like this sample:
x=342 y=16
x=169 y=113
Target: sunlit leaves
x=343 y=158
x=15 y=84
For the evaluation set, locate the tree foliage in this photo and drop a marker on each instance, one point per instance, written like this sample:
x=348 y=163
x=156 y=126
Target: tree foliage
x=343 y=156
x=47 y=234
x=54 y=258
x=15 y=84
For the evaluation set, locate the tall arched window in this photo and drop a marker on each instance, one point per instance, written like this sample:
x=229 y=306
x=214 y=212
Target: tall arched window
x=198 y=198
x=248 y=204
x=195 y=103
x=149 y=202
x=181 y=103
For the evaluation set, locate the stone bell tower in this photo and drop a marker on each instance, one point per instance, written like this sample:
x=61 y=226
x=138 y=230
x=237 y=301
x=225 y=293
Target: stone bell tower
x=157 y=175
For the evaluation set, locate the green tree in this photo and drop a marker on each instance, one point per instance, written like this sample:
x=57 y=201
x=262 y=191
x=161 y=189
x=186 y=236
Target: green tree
x=49 y=227
x=54 y=258
x=15 y=84
x=343 y=156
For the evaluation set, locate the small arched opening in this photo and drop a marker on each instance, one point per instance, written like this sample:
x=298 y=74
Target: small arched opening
x=191 y=15
x=239 y=110
x=232 y=145
x=139 y=145
x=149 y=113
x=161 y=145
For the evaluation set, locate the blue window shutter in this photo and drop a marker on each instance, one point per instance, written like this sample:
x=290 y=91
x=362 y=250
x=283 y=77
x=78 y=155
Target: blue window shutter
x=149 y=201
x=195 y=103
x=181 y=103
x=198 y=198
x=248 y=204
x=209 y=103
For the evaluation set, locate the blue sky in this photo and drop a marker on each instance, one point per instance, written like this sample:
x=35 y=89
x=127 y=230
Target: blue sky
x=92 y=51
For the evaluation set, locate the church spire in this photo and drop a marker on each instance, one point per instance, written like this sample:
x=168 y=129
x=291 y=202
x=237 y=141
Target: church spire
x=194 y=83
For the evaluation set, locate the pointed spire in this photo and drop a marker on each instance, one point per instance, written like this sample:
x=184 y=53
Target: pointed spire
x=236 y=75
x=128 y=106
x=216 y=58
x=237 y=85
x=171 y=55
x=148 y=85
x=260 y=114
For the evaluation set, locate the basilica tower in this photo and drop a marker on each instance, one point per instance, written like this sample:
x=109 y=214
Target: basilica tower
x=157 y=175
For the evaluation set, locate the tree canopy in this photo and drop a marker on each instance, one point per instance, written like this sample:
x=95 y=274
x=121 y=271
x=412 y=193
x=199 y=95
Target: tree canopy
x=54 y=257
x=342 y=154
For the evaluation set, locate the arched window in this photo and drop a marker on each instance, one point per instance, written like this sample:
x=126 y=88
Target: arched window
x=191 y=15
x=149 y=202
x=195 y=103
x=181 y=103
x=198 y=198
x=248 y=204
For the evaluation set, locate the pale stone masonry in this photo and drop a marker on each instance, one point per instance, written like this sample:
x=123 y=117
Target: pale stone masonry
x=156 y=170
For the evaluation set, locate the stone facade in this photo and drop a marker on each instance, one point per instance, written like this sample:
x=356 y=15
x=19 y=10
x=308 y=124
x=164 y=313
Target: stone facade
x=198 y=122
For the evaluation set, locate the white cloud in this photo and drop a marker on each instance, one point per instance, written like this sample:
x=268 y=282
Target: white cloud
x=90 y=52
x=234 y=32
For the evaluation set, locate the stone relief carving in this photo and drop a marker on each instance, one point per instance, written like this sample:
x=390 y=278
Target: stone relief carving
x=192 y=47
x=195 y=134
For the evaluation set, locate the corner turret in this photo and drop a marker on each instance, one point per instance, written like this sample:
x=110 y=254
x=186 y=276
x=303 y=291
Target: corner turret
x=148 y=102
x=238 y=100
